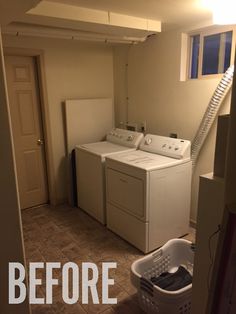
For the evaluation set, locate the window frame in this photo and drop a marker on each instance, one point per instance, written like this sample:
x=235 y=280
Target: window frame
x=203 y=33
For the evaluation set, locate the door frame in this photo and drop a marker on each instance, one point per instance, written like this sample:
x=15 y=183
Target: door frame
x=38 y=55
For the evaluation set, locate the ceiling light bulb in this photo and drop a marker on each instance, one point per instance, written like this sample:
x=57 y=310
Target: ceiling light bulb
x=209 y=4
x=224 y=12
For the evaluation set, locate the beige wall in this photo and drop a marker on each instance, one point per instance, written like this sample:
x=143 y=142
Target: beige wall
x=10 y=222
x=157 y=96
x=73 y=70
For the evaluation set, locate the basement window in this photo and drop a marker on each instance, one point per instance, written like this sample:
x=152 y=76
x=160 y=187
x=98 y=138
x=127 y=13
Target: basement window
x=210 y=54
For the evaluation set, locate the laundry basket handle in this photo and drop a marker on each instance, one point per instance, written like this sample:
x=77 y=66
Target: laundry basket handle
x=157 y=255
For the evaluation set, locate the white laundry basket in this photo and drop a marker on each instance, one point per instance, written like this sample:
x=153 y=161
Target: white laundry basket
x=153 y=299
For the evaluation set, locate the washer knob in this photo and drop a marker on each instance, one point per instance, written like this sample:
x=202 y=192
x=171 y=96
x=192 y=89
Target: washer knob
x=130 y=138
x=148 y=141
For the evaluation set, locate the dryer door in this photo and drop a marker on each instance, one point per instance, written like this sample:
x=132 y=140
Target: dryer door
x=126 y=192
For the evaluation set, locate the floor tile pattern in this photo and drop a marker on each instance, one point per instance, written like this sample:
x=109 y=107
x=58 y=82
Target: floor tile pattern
x=65 y=234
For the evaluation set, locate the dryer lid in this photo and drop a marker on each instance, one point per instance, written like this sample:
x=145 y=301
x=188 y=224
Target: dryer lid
x=146 y=161
x=103 y=148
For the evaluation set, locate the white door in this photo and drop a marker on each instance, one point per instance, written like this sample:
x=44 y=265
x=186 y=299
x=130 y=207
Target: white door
x=27 y=130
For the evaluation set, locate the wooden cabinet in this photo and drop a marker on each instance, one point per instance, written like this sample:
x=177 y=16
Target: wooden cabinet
x=210 y=213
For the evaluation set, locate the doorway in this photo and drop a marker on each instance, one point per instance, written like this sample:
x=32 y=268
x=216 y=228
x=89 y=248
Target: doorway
x=27 y=130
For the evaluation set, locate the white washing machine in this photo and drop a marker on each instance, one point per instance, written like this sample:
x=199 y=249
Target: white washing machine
x=148 y=192
x=90 y=171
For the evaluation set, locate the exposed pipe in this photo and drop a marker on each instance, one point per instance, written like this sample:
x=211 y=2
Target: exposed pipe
x=211 y=113
x=18 y=29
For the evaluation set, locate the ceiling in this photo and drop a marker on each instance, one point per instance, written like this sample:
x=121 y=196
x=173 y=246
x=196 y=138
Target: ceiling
x=12 y=9
x=129 y=19
x=172 y=13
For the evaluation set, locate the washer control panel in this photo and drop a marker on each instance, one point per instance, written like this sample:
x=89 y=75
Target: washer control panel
x=171 y=147
x=125 y=137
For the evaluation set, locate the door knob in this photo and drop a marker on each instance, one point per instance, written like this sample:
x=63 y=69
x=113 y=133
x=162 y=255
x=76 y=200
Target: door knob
x=40 y=142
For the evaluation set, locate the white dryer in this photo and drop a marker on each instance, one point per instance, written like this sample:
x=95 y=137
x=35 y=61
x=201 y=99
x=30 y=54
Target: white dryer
x=90 y=171
x=148 y=192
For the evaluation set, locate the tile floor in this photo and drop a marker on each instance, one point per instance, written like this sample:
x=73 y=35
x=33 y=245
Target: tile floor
x=66 y=234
